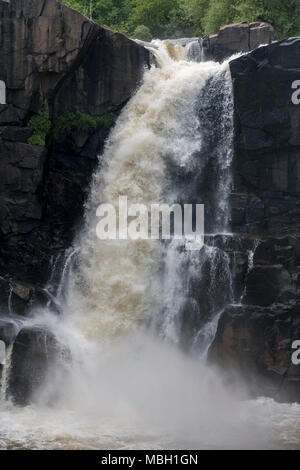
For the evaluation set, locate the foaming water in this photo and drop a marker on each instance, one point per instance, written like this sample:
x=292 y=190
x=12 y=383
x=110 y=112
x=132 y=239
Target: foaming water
x=5 y=374
x=112 y=291
x=144 y=394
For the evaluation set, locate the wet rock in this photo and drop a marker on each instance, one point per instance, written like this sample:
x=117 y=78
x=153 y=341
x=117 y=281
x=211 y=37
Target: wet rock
x=266 y=163
x=35 y=352
x=53 y=58
x=22 y=172
x=268 y=284
x=209 y=287
x=255 y=342
x=15 y=134
x=8 y=330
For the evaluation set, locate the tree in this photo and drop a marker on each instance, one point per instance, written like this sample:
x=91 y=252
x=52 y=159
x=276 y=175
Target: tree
x=175 y=18
x=219 y=13
x=162 y=17
x=143 y=33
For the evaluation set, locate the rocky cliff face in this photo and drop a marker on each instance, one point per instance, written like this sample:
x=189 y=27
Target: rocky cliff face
x=256 y=336
x=52 y=60
x=239 y=37
x=267 y=144
x=74 y=77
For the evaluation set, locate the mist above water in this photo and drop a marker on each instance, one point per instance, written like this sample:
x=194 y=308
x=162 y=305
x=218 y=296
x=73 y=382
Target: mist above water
x=143 y=393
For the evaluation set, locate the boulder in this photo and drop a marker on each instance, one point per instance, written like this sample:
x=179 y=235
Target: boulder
x=239 y=37
x=35 y=352
x=256 y=342
x=50 y=52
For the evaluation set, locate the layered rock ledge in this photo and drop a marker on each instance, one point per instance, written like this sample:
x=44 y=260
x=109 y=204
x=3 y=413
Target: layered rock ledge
x=57 y=66
x=255 y=335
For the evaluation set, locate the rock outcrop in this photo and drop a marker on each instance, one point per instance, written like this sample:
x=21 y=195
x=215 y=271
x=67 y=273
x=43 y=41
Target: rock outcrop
x=255 y=336
x=254 y=343
x=266 y=167
x=239 y=37
x=52 y=53
x=57 y=66
x=53 y=60
x=35 y=353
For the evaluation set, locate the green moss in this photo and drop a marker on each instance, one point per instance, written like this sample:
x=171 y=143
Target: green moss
x=67 y=121
x=41 y=125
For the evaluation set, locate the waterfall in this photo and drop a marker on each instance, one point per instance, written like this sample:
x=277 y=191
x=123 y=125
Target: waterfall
x=195 y=51
x=251 y=254
x=173 y=136
x=126 y=356
x=114 y=289
x=5 y=374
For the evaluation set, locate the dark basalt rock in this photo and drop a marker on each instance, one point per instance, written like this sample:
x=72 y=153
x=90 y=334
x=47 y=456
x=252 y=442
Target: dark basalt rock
x=266 y=164
x=268 y=284
x=51 y=57
x=110 y=71
x=50 y=52
x=54 y=58
x=255 y=339
x=266 y=202
x=35 y=351
x=257 y=342
x=8 y=330
x=15 y=134
x=239 y=37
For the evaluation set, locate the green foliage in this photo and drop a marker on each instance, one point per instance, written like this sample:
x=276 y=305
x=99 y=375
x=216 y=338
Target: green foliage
x=175 y=18
x=143 y=33
x=67 y=121
x=63 y=124
x=41 y=125
x=284 y=16
x=219 y=12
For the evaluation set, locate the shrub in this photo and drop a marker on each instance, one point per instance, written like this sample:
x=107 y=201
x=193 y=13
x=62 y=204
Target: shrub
x=41 y=125
x=143 y=33
x=66 y=121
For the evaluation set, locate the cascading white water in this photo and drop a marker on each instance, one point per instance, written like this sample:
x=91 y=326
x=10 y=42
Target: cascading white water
x=5 y=374
x=195 y=51
x=113 y=290
x=141 y=392
x=251 y=254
